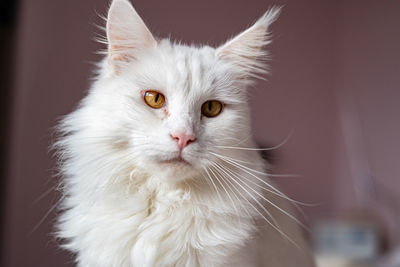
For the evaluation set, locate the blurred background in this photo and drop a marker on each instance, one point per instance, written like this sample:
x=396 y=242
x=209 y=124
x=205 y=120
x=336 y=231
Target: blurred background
x=334 y=85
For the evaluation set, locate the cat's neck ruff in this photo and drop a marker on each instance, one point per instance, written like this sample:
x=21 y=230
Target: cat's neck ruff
x=147 y=222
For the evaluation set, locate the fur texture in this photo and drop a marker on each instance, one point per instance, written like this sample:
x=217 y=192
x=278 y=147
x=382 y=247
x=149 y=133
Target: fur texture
x=132 y=197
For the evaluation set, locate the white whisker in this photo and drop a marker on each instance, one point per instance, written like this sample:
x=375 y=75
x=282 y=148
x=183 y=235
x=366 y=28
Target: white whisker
x=233 y=186
x=229 y=196
x=45 y=216
x=274 y=205
x=216 y=189
x=261 y=149
x=43 y=195
x=236 y=161
x=274 y=191
x=237 y=190
x=273 y=225
x=255 y=200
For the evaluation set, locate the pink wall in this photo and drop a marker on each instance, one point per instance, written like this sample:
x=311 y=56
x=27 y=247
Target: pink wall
x=298 y=97
x=367 y=86
x=52 y=73
x=320 y=49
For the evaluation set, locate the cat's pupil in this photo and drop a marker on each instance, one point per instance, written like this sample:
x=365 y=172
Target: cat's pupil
x=157 y=97
x=209 y=105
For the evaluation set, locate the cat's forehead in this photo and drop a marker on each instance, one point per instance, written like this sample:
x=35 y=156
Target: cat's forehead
x=190 y=69
x=191 y=63
x=179 y=70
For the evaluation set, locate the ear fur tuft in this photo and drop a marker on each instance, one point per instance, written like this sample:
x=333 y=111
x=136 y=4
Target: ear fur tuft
x=127 y=34
x=245 y=51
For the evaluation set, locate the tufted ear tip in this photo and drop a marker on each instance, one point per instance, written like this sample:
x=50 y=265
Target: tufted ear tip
x=269 y=17
x=245 y=51
x=127 y=34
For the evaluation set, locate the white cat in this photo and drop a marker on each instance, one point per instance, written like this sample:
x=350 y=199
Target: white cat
x=158 y=161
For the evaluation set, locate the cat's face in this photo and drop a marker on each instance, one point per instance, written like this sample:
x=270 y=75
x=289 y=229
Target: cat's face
x=177 y=105
x=182 y=103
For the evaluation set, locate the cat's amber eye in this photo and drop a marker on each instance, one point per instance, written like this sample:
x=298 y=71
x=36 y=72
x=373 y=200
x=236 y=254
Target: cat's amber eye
x=211 y=108
x=154 y=99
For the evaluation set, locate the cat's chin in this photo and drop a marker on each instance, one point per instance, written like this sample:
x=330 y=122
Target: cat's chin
x=172 y=170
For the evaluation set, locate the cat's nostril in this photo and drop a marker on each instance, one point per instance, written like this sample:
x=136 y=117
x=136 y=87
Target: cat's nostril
x=183 y=139
x=176 y=138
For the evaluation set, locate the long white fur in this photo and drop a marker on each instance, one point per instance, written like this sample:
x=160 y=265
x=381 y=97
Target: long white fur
x=121 y=206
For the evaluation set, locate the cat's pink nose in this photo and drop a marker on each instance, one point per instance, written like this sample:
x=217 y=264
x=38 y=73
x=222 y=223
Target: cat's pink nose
x=183 y=139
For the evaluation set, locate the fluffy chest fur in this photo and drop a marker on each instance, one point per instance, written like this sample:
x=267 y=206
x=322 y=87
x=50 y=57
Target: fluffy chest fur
x=155 y=226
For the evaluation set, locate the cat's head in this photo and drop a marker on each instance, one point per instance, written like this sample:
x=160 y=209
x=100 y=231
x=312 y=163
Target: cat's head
x=174 y=104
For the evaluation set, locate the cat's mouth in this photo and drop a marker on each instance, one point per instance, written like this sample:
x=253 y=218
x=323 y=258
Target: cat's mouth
x=176 y=161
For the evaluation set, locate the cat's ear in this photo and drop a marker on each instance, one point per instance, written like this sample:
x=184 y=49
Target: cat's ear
x=246 y=51
x=127 y=34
